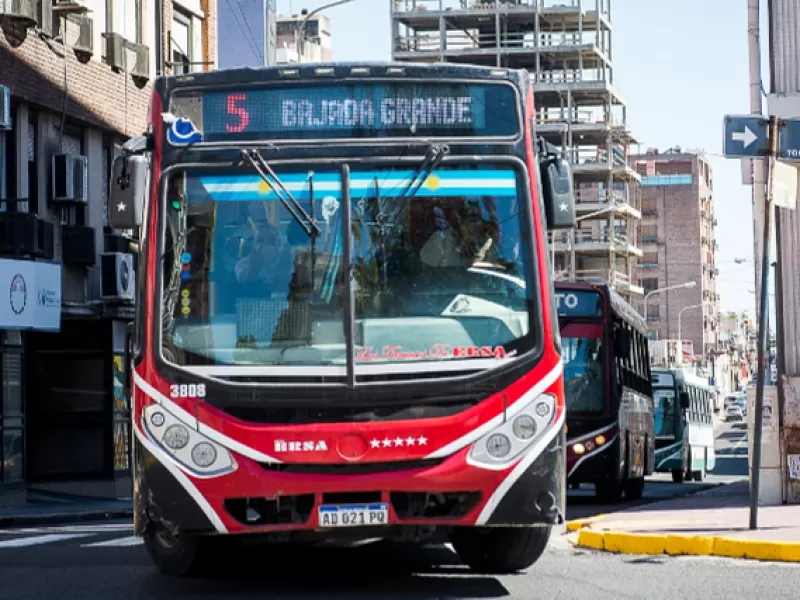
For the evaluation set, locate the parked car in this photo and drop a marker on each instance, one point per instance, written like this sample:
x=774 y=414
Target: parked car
x=733 y=412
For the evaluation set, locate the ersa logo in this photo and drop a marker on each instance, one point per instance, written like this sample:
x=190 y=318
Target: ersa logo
x=300 y=446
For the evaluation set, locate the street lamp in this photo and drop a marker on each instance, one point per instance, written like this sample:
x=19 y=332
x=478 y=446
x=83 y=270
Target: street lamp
x=299 y=34
x=680 y=314
x=679 y=286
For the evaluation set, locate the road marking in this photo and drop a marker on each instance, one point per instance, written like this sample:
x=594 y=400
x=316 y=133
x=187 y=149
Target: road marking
x=42 y=539
x=116 y=543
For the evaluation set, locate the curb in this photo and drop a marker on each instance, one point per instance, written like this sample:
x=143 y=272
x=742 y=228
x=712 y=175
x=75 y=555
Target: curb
x=64 y=517
x=620 y=542
x=578 y=524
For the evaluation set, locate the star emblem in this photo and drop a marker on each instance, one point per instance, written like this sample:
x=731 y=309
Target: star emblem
x=422 y=441
x=375 y=443
x=387 y=443
x=398 y=442
x=562 y=207
x=121 y=207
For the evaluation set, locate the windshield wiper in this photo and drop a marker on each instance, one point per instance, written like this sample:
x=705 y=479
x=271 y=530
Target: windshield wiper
x=433 y=157
x=306 y=221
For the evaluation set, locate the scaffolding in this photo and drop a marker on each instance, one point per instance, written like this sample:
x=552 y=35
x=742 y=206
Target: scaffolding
x=566 y=46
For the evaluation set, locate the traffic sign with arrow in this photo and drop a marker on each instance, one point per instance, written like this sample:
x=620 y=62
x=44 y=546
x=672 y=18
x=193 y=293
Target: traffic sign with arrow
x=745 y=136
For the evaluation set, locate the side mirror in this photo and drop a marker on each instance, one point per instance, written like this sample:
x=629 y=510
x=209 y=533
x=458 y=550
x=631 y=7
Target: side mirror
x=684 y=400
x=559 y=195
x=127 y=191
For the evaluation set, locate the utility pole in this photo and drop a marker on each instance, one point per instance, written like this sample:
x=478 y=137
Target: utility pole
x=763 y=334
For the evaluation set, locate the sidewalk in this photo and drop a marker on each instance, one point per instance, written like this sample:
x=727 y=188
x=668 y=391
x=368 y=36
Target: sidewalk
x=50 y=509
x=712 y=522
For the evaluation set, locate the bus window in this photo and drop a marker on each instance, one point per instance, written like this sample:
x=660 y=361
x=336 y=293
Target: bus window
x=582 y=354
x=665 y=412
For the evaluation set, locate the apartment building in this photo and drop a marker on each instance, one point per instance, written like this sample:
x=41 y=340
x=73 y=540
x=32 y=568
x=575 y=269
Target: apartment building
x=679 y=246
x=303 y=38
x=567 y=47
x=75 y=81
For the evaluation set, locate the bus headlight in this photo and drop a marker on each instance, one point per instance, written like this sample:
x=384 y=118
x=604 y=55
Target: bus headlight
x=524 y=427
x=500 y=447
x=186 y=446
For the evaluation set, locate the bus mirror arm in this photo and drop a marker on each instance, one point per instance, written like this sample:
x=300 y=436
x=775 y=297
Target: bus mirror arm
x=684 y=398
x=557 y=187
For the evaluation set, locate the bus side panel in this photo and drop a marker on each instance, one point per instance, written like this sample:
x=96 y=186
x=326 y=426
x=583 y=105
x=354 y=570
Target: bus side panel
x=153 y=482
x=538 y=496
x=638 y=430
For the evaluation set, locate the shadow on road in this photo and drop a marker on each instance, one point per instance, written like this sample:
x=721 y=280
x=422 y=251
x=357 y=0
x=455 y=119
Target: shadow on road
x=341 y=572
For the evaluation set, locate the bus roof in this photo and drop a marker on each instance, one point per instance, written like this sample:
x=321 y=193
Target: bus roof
x=349 y=70
x=618 y=304
x=682 y=377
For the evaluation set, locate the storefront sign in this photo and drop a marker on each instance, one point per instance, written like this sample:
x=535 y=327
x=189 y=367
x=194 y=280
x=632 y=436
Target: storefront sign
x=30 y=295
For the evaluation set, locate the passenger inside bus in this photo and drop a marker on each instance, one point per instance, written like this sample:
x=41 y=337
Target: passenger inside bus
x=472 y=239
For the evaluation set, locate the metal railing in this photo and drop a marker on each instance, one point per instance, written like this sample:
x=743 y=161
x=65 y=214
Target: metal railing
x=460 y=41
x=586 y=6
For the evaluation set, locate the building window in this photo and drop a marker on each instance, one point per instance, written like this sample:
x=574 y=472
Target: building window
x=649 y=284
x=182 y=43
x=72 y=143
x=125 y=18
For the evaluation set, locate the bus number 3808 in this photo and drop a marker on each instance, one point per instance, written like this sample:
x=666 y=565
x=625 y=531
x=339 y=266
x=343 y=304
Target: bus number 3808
x=190 y=390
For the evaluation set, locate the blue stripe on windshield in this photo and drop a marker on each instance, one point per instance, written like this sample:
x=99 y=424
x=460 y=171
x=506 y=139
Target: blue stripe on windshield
x=249 y=188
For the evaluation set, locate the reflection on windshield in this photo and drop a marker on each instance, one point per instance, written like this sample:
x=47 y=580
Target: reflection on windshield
x=440 y=275
x=583 y=374
x=664 y=412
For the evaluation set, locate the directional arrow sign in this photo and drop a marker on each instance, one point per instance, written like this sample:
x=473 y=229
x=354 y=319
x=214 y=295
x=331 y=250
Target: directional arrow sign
x=745 y=135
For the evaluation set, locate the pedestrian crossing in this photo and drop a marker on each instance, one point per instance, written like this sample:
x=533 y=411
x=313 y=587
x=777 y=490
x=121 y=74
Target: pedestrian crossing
x=82 y=536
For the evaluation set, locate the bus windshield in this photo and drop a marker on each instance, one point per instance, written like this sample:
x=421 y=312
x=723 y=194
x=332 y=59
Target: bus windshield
x=438 y=275
x=582 y=354
x=665 y=413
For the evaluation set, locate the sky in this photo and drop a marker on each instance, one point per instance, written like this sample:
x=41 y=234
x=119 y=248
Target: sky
x=680 y=65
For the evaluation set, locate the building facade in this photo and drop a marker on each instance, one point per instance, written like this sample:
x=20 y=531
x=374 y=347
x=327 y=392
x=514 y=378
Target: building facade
x=679 y=245
x=303 y=38
x=247 y=33
x=567 y=47
x=75 y=82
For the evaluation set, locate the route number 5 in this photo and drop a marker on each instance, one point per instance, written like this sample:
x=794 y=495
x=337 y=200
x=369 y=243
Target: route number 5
x=237 y=111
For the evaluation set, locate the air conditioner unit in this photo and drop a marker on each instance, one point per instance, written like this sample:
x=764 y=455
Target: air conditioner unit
x=115 y=51
x=19 y=12
x=117 y=277
x=70 y=173
x=5 y=108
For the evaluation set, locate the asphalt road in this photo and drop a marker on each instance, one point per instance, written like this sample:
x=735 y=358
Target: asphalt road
x=731 y=450
x=99 y=566
x=103 y=560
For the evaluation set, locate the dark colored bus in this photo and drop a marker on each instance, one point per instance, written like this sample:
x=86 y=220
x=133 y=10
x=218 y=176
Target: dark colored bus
x=345 y=324
x=610 y=439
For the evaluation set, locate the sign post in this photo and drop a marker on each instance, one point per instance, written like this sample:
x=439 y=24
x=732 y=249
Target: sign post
x=757 y=137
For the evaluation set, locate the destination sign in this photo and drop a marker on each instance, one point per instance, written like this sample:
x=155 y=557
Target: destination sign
x=579 y=303
x=356 y=110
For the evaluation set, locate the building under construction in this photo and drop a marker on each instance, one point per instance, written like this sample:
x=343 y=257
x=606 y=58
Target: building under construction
x=566 y=46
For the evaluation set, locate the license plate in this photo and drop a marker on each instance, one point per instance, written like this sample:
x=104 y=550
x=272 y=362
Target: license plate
x=353 y=515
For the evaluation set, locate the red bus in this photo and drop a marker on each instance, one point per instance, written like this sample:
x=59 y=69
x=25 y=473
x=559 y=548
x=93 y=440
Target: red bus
x=345 y=324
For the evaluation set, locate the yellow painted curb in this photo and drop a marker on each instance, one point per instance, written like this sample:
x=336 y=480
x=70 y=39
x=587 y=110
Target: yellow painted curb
x=622 y=542
x=578 y=524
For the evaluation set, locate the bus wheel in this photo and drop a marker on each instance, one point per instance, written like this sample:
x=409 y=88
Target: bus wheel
x=175 y=555
x=608 y=491
x=677 y=475
x=500 y=550
x=634 y=488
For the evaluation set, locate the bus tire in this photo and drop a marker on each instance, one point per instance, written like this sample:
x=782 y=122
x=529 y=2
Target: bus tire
x=634 y=488
x=677 y=475
x=174 y=555
x=501 y=550
x=608 y=492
